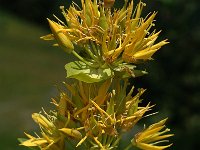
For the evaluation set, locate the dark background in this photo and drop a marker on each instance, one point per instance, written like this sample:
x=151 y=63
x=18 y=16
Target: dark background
x=29 y=67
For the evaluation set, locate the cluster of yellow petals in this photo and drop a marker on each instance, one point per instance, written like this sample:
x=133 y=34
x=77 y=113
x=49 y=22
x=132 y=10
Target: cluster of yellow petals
x=91 y=112
x=96 y=114
x=111 y=34
x=152 y=136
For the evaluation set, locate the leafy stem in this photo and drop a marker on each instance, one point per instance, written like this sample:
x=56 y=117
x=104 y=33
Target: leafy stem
x=83 y=60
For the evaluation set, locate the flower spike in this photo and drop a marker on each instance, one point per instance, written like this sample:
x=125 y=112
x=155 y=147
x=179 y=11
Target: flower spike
x=94 y=109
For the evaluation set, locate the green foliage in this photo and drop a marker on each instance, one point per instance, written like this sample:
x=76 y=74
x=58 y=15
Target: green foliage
x=80 y=71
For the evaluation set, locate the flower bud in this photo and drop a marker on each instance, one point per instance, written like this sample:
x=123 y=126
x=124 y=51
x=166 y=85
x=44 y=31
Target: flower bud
x=60 y=37
x=41 y=120
x=102 y=20
x=71 y=132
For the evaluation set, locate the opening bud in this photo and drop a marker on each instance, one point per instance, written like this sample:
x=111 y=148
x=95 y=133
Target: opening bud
x=62 y=39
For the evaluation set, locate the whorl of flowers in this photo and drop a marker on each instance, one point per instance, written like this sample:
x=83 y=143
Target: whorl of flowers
x=95 y=110
x=112 y=40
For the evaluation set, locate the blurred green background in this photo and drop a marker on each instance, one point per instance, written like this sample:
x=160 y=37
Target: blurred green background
x=29 y=68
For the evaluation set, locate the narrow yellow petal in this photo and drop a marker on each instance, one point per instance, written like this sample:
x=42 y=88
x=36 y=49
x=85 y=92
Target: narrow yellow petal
x=29 y=136
x=48 y=37
x=102 y=111
x=99 y=143
x=147 y=133
x=144 y=54
x=35 y=142
x=158 y=124
x=151 y=147
x=81 y=141
x=157 y=138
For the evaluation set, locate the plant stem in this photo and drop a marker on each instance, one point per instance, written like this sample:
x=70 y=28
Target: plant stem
x=118 y=62
x=95 y=50
x=92 y=55
x=128 y=147
x=83 y=60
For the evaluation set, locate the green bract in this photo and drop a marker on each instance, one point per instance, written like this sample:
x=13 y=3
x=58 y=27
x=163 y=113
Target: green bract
x=85 y=73
x=80 y=71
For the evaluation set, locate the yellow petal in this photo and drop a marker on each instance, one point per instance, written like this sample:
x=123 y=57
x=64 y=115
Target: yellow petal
x=48 y=37
x=144 y=54
x=151 y=147
x=147 y=133
x=158 y=138
x=81 y=141
x=158 y=124
x=35 y=142
x=29 y=136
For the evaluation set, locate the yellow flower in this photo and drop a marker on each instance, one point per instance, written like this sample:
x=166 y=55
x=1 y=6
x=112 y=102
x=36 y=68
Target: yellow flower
x=34 y=141
x=108 y=36
x=92 y=112
x=150 y=137
x=96 y=109
x=50 y=137
x=47 y=141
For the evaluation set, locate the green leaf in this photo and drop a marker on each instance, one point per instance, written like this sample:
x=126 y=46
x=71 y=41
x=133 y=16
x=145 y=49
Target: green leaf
x=121 y=98
x=111 y=106
x=80 y=71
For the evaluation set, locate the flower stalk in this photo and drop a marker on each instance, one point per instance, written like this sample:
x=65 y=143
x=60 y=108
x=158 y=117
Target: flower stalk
x=95 y=110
